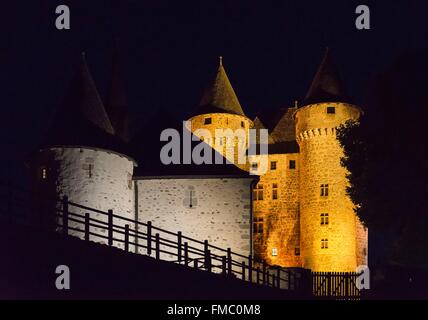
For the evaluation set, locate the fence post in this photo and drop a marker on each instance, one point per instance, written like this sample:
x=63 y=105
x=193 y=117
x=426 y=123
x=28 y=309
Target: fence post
x=278 y=275
x=126 y=237
x=264 y=272
x=243 y=270
x=110 y=227
x=179 y=240
x=157 y=246
x=273 y=281
x=149 y=238
x=186 y=254
x=65 y=215
x=250 y=268
x=87 y=226
x=195 y=263
x=229 y=261
x=208 y=265
x=258 y=275
x=223 y=265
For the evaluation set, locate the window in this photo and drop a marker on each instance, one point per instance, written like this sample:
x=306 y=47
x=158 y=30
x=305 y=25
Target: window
x=331 y=110
x=364 y=251
x=129 y=181
x=324 y=190
x=292 y=164
x=297 y=251
x=44 y=173
x=324 y=219
x=258 y=225
x=273 y=165
x=207 y=121
x=274 y=252
x=254 y=165
x=90 y=170
x=274 y=191
x=242 y=124
x=324 y=243
x=258 y=192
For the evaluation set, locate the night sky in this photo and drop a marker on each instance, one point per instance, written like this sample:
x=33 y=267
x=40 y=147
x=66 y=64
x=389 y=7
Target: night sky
x=169 y=51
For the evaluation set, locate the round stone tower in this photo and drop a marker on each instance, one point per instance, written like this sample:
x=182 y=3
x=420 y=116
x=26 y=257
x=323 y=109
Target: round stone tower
x=220 y=109
x=327 y=219
x=83 y=159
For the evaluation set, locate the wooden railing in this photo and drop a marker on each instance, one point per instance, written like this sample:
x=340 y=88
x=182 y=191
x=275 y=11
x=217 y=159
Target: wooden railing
x=115 y=230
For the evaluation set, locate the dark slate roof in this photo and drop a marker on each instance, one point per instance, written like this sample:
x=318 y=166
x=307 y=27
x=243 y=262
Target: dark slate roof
x=82 y=120
x=326 y=85
x=285 y=128
x=117 y=103
x=219 y=96
x=146 y=146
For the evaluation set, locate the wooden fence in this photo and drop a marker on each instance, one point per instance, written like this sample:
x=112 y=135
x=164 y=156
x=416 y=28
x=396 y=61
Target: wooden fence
x=91 y=224
x=337 y=285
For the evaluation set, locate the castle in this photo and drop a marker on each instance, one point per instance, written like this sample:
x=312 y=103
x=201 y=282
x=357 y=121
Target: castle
x=297 y=214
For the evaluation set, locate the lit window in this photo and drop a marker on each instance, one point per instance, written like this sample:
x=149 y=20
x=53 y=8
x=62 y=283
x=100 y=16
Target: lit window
x=274 y=191
x=297 y=251
x=324 y=243
x=258 y=192
x=273 y=165
x=292 y=164
x=331 y=110
x=44 y=173
x=274 y=252
x=258 y=225
x=324 y=219
x=207 y=121
x=324 y=190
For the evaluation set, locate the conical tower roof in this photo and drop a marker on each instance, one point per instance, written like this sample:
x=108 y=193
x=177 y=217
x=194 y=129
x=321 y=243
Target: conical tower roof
x=326 y=85
x=117 y=101
x=219 y=96
x=82 y=120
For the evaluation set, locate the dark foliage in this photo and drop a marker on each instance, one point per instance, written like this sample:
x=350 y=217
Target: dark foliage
x=386 y=155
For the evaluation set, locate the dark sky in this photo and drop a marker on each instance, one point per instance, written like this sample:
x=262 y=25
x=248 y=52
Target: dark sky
x=169 y=50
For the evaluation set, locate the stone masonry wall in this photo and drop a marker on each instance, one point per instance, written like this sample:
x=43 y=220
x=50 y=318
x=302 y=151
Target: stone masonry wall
x=213 y=209
x=320 y=155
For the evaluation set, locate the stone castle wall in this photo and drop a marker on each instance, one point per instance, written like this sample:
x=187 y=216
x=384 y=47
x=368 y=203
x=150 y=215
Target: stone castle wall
x=320 y=155
x=224 y=121
x=94 y=178
x=213 y=209
x=280 y=217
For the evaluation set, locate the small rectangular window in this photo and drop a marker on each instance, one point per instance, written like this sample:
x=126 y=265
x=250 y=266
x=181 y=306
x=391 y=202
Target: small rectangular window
x=324 y=243
x=324 y=219
x=129 y=181
x=331 y=110
x=297 y=251
x=274 y=191
x=324 y=190
x=273 y=165
x=258 y=192
x=90 y=170
x=258 y=225
x=207 y=121
x=292 y=164
x=274 y=252
x=242 y=124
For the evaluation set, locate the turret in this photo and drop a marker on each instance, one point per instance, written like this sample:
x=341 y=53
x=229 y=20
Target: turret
x=82 y=158
x=328 y=222
x=219 y=108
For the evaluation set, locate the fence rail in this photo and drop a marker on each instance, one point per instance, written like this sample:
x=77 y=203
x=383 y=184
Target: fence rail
x=112 y=229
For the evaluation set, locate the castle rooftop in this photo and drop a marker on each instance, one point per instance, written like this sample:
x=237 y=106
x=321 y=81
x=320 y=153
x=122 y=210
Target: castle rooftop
x=326 y=85
x=219 y=96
